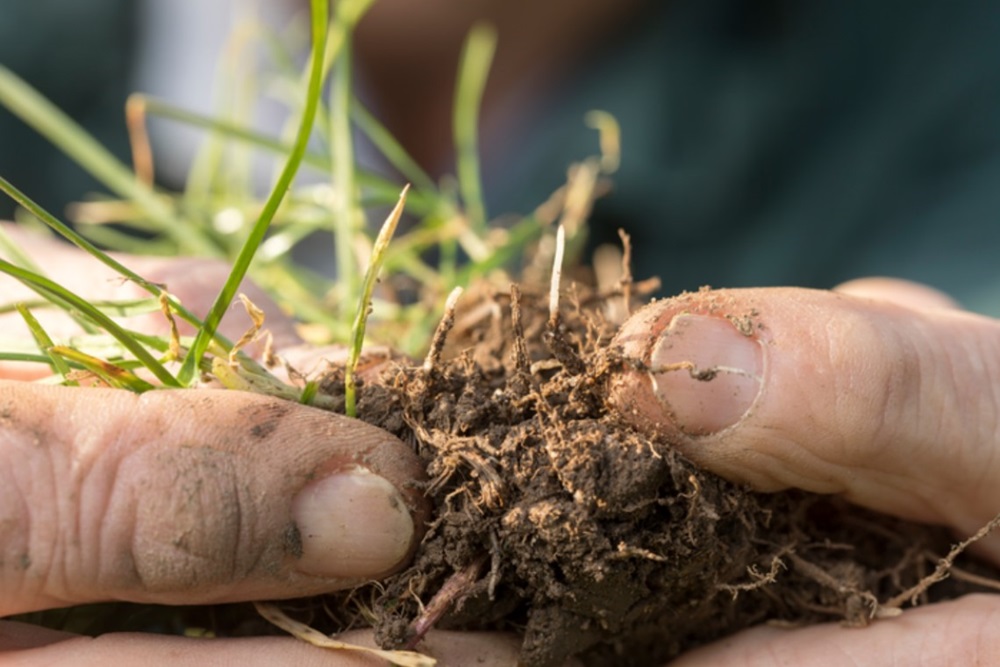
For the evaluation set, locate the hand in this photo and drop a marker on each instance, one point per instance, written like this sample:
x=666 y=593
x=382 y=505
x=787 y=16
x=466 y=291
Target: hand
x=881 y=391
x=190 y=497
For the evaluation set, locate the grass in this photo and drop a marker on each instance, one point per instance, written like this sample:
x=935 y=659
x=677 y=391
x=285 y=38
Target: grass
x=449 y=242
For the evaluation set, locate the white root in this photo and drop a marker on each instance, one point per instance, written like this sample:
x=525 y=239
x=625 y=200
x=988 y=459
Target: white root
x=557 y=263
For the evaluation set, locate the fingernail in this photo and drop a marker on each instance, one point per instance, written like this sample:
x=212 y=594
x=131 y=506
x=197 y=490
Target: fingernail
x=714 y=373
x=352 y=524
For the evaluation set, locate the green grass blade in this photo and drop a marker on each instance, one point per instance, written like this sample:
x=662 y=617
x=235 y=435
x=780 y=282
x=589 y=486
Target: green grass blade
x=38 y=112
x=383 y=190
x=241 y=133
x=361 y=318
x=116 y=308
x=112 y=374
x=45 y=344
x=27 y=357
x=348 y=219
x=477 y=56
x=207 y=331
x=309 y=393
x=55 y=292
x=131 y=243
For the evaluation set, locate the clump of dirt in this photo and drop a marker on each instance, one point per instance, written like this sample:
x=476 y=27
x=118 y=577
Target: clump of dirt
x=556 y=519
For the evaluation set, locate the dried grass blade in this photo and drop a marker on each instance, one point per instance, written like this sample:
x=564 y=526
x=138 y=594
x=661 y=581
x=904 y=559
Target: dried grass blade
x=302 y=631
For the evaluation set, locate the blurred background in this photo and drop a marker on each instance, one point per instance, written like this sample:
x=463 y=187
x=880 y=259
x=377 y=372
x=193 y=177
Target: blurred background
x=765 y=142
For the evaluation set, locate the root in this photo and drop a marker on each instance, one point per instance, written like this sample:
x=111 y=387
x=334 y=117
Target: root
x=944 y=568
x=758 y=579
x=454 y=590
x=520 y=381
x=625 y=282
x=433 y=359
x=554 y=283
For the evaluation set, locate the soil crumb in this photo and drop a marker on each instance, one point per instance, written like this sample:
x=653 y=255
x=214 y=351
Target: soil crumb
x=557 y=520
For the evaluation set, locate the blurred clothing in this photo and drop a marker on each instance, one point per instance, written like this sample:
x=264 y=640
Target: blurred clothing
x=774 y=142
x=78 y=53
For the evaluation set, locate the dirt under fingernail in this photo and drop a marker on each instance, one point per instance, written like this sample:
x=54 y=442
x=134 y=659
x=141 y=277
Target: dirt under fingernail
x=706 y=373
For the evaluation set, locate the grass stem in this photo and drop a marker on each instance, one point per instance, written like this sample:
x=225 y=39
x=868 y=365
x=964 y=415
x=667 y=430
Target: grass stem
x=364 y=304
x=477 y=56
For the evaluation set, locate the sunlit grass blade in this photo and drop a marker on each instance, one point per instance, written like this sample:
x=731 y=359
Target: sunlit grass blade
x=122 y=308
x=45 y=344
x=380 y=189
x=38 y=112
x=131 y=243
x=156 y=107
x=211 y=324
x=348 y=218
x=364 y=304
x=29 y=357
x=477 y=56
x=59 y=294
x=112 y=374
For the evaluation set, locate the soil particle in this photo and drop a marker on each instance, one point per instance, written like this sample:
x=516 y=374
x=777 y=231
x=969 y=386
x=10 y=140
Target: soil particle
x=292 y=541
x=261 y=431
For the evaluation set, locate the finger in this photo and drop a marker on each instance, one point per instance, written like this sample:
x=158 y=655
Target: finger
x=960 y=632
x=22 y=645
x=193 y=497
x=894 y=407
x=901 y=292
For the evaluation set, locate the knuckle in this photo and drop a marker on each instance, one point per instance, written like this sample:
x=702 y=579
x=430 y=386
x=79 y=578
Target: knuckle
x=31 y=541
x=192 y=523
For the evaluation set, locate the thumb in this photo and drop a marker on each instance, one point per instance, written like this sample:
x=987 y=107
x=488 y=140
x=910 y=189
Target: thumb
x=190 y=497
x=894 y=407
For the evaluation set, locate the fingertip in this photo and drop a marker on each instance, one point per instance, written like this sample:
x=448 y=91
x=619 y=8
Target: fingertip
x=693 y=369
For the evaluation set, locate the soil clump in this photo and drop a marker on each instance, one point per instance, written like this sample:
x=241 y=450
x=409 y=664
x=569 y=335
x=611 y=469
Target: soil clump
x=556 y=519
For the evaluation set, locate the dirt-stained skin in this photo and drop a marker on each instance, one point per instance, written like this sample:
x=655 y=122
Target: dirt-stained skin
x=185 y=501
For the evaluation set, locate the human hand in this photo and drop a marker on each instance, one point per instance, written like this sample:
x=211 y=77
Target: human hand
x=190 y=497
x=882 y=391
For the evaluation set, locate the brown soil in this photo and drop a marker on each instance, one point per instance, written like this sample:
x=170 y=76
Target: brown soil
x=557 y=520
